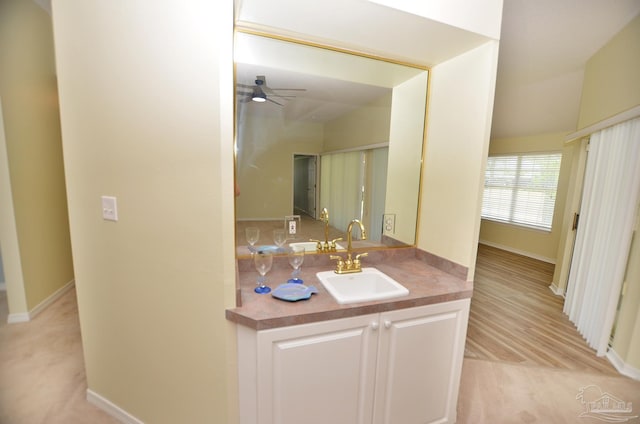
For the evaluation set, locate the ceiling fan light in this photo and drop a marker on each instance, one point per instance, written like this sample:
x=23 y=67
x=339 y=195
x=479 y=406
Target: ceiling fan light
x=258 y=95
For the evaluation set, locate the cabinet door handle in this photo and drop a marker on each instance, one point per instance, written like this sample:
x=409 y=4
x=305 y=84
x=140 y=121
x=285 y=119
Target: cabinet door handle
x=374 y=326
x=387 y=324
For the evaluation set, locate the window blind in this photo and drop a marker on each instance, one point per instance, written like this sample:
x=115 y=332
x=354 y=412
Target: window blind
x=521 y=189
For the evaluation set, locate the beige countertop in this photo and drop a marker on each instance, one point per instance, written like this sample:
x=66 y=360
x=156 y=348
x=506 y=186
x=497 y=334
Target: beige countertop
x=411 y=267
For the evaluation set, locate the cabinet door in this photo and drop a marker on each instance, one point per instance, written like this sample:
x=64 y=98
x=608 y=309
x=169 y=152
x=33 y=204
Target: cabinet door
x=420 y=360
x=317 y=373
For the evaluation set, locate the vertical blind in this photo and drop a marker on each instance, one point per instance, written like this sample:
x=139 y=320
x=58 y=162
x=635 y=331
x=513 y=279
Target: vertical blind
x=341 y=187
x=521 y=189
x=608 y=213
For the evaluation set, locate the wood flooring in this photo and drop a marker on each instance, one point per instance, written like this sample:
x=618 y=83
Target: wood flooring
x=516 y=318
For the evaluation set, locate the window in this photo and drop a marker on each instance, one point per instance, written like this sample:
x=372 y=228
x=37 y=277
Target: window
x=521 y=189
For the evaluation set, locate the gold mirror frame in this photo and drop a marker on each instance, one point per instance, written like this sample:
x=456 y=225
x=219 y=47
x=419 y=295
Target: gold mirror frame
x=241 y=250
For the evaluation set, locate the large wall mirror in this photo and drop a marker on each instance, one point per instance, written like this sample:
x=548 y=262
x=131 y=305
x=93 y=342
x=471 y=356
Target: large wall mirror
x=319 y=128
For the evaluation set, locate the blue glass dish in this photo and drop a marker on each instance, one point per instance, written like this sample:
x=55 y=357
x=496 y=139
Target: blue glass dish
x=293 y=292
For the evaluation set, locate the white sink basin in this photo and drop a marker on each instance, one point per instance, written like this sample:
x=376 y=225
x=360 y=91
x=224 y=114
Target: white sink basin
x=310 y=246
x=365 y=286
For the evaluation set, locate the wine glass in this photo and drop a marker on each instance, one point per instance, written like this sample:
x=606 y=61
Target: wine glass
x=279 y=237
x=252 y=234
x=296 y=257
x=263 y=261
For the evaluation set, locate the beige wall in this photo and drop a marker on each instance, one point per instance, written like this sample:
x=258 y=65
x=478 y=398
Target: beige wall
x=574 y=159
x=37 y=251
x=612 y=86
x=611 y=83
x=459 y=122
x=16 y=297
x=534 y=243
x=406 y=139
x=266 y=147
x=626 y=342
x=362 y=127
x=147 y=105
x=141 y=90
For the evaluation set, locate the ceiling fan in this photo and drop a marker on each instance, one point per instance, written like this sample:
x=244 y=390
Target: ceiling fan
x=260 y=92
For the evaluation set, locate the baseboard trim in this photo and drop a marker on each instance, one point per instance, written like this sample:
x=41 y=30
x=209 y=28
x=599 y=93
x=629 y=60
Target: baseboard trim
x=18 y=318
x=110 y=408
x=51 y=299
x=28 y=316
x=622 y=367
x=517 y=251
x=556 y=290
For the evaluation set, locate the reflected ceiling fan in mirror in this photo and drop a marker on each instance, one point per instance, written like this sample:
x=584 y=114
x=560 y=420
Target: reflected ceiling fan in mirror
x=261 y=92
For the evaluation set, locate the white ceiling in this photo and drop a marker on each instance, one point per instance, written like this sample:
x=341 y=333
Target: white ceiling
x=359 y=25
x=544 y=46
x=332 y=23
x=324 y=99
x=334 y=83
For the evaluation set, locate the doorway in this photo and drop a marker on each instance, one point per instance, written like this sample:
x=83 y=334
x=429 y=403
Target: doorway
x=305 y=183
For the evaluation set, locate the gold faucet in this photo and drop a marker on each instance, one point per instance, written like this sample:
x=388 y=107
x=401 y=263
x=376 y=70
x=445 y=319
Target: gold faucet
x=327 y=245
x=350 y=265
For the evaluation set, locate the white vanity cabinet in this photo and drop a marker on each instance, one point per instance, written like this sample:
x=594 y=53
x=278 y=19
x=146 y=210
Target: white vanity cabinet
x=420 y=354
x=401 y=366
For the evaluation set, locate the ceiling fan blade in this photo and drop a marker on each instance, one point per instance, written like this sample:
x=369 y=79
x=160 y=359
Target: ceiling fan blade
x=273 y=101
x=288 y=89
x=261 y=86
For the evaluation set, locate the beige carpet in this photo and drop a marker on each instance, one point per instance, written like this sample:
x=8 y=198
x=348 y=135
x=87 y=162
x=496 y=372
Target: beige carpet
x=42 y=380
x=498 y=392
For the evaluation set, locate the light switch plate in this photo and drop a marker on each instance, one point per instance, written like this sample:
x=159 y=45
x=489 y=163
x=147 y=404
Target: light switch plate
x=389 y=222
x=292 y=225
x=109 y=208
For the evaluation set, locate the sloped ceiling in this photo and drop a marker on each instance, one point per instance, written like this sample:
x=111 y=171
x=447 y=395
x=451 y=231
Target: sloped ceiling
x=544 y=47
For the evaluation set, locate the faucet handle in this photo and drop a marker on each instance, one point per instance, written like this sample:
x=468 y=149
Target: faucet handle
x=356 y=261
x=318 y=245
x=332 y=243
x=340 y=264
